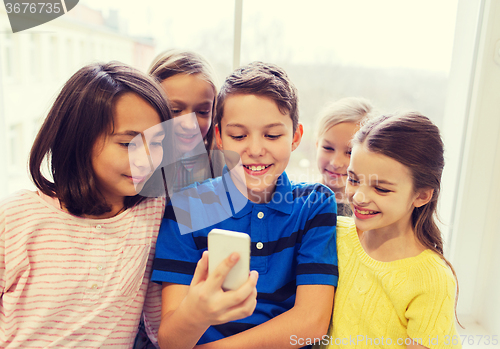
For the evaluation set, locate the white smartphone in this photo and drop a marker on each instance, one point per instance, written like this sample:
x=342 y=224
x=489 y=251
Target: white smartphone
x=221 y=243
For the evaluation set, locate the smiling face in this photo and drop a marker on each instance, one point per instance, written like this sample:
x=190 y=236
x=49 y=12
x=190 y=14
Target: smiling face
x=334 y=153
x=380 y=191
x=190 y=93
x=120 y=160
x=254 y=128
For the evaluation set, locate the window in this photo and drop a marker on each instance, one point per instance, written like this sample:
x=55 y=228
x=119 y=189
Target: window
x=380 y=50
x=8 y=56
x=55 y=62
x=16 y=146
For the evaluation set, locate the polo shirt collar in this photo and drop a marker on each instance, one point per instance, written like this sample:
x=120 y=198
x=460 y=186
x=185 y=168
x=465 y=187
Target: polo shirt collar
x=278 y=202
x=281 y=196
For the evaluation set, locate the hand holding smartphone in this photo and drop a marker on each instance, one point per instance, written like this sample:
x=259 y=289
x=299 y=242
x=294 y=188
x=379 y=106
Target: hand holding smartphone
x=221 y=244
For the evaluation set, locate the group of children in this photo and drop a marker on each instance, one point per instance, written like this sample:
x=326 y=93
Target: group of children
x=89 y=260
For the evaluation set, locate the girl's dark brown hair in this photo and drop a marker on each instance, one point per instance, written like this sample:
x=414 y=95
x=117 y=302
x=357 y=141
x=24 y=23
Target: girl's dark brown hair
x=173 y=62
x=82 y=112
x=414 y=141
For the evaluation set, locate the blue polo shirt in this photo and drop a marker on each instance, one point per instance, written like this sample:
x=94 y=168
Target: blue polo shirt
x=293 y=241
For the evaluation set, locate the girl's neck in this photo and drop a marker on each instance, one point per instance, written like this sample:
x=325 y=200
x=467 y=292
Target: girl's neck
x=389 y=244
x=340 y=196
x=115 y=211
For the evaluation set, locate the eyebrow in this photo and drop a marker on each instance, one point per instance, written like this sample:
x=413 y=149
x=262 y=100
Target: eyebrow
x=382 y=181
x=135 y=133
x=206 y=102
x=126 y=133
x=277 y=124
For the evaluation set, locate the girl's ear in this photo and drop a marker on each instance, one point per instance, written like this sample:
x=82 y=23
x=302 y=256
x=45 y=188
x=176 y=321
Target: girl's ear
x=424 y=196
x=218 y=138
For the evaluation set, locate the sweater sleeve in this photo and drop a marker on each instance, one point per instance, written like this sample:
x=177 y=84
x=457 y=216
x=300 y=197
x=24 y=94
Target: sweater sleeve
x=431 y=312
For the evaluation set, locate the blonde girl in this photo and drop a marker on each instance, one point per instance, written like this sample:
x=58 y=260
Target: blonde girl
x=337 y=124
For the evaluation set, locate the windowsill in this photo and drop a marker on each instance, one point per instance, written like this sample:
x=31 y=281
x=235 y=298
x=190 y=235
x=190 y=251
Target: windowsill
x=477 y=336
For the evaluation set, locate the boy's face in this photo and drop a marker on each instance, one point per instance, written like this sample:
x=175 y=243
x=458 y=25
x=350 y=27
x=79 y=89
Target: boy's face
x=263 y=137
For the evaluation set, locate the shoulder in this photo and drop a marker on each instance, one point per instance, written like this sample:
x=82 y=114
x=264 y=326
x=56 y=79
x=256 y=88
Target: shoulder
x=151 y=209
x=18 y=201
x=345 y=225
x=429 y=273
x=312 y=200
x=314 y=203
x=154 y=203
x=17 y=211
x=310 y=190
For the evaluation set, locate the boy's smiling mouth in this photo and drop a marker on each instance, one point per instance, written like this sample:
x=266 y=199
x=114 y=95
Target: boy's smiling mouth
x=256 y=168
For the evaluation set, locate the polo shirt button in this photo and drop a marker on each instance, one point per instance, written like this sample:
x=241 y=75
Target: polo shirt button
x=260 y=215
x=98 y=226
x=99 y=267
x=94 y=286
x=260 y=245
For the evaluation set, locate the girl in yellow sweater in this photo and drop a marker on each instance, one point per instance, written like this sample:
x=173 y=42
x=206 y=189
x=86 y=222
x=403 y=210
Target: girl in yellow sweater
x=395 y=288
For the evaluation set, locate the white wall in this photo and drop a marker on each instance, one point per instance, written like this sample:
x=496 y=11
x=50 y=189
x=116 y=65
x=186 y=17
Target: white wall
x=471 y=131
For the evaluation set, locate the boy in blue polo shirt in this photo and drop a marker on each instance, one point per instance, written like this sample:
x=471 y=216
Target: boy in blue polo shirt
x=291 y=226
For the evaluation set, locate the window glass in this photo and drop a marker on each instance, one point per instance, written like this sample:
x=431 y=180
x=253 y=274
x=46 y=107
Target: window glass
x=395 y=53
x=35 y=63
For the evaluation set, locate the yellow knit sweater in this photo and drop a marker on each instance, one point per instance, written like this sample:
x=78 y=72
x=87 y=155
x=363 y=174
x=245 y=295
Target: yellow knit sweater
x=383 y=304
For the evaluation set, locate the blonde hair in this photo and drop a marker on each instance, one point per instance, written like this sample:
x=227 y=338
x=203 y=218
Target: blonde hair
x=172 y=62
x=348 y=109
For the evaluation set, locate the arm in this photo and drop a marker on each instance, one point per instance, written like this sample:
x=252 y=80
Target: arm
x=309 y=318
x=431 y=307
x=188 y=311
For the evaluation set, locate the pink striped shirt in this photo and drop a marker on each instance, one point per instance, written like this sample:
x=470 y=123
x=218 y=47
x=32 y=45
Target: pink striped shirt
x=73 y=282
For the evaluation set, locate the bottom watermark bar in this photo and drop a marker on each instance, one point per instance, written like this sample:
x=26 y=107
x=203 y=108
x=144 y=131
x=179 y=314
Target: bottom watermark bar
x=354 y=340
x=453 y=340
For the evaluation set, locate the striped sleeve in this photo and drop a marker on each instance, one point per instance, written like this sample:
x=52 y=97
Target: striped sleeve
x=317 y=262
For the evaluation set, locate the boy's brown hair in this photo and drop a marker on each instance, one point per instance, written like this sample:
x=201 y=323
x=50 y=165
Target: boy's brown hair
x=261 y=79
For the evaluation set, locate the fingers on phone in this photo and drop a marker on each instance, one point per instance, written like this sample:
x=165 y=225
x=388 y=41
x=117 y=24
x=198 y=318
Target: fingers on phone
x=245 y=302
x=245 y=297
x=219 y=275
